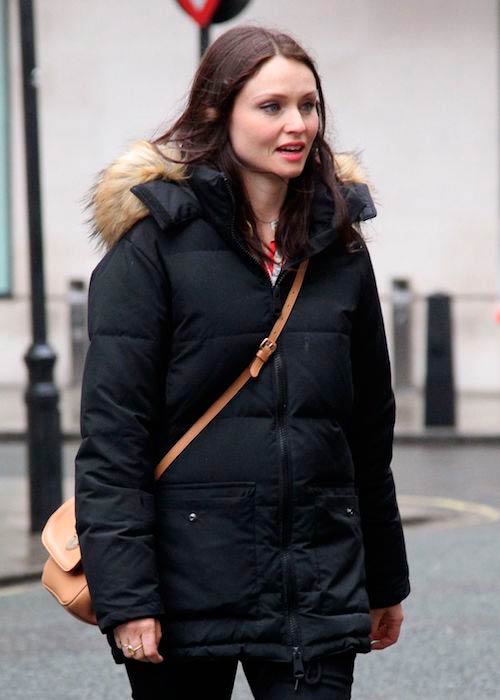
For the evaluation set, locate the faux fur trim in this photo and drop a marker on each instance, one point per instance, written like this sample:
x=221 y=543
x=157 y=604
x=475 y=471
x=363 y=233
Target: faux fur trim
x=349 y=169
x=114 y=208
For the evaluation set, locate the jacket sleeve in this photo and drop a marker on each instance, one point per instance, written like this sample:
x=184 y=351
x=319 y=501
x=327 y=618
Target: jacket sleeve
x=371 y=439
x=121 y=400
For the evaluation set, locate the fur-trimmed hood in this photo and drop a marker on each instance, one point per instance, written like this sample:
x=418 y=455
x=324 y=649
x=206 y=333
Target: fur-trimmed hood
x=115 y=208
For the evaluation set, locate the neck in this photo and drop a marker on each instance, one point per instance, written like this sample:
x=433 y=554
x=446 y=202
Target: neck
x=266 y=194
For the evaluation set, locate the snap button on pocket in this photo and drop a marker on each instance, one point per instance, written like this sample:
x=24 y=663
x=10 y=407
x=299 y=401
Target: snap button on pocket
x=349 y=511
x=192 y=517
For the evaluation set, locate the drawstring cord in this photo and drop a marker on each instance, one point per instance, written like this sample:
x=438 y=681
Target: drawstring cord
x=313 y=672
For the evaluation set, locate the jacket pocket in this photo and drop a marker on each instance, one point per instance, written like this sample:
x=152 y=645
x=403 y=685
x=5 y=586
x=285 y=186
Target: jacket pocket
x=339 y=551
x=207 y=552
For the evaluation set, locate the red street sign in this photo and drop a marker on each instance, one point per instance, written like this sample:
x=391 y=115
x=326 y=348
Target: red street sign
x=201 y=11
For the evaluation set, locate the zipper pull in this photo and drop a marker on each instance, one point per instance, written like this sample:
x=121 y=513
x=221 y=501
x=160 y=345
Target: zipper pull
x=298 y=667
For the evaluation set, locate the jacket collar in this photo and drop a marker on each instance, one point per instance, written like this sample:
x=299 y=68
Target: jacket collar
x=145 y=181
x=214 y=194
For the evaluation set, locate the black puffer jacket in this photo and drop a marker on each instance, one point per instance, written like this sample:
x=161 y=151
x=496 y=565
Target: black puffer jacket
x=278 y=527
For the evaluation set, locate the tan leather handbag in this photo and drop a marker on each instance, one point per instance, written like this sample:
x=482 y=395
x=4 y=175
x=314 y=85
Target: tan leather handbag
x=63 y=574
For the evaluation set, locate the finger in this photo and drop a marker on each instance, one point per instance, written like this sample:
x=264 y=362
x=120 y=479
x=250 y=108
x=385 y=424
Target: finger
x=376 y=625
x=389 y=637
x=150 y=647
x=158 y=631
x=382 y=643
x=123 y=646
x=377 y=631
x=393 y=630
x=138 y=654
x=377 y=644
x=380 y=632
x=132 y=650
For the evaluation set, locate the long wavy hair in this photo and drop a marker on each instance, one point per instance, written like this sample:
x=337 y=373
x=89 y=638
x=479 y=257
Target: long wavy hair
x=201 y=136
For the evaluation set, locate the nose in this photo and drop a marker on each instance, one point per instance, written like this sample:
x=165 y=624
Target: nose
x=295 y=122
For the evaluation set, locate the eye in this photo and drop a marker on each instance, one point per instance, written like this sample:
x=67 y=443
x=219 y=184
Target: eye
x=309 y=107
x=271 y=107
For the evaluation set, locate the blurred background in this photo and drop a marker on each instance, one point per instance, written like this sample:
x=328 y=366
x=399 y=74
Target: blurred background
x=413 y=88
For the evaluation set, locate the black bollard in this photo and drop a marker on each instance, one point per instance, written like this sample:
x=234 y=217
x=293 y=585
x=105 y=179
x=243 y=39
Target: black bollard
x=439 y=383
x=44 y=436
x=77 y=298
x=401 y=332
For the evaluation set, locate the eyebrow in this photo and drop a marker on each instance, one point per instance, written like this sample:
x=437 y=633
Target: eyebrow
x=282 y=96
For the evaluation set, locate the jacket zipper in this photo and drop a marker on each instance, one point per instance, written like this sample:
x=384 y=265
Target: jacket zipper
x=285 y=485
x=285 y=518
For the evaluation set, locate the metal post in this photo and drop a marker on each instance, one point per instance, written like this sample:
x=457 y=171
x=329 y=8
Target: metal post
x=401 y=319
x=204 y=39
x=42 y=396
x=77 y=299
x=439 y=384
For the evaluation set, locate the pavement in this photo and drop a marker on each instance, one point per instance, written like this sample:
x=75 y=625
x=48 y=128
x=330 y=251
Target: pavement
x=448 y=483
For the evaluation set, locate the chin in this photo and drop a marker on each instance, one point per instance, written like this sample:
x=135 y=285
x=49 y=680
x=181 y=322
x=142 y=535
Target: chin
x=283 y=171
x=291 y=172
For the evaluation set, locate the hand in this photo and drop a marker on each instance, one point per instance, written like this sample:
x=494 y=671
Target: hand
x=142 y=635
x=386 y=625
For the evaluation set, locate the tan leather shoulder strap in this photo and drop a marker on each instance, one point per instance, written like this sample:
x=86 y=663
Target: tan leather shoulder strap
x=264 y=352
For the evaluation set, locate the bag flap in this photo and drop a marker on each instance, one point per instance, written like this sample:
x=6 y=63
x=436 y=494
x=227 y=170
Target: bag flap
x=60 y=539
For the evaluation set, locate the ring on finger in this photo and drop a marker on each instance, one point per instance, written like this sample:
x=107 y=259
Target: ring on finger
x=132 y=650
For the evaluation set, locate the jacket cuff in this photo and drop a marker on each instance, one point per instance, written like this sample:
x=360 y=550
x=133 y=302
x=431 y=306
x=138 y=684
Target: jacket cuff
x=108 y=622
x=385 y=598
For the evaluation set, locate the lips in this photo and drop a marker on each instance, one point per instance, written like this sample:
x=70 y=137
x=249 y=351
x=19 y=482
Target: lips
x=292 y=152
x=292 y=147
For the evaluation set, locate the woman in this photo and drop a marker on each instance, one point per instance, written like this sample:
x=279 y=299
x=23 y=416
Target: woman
x=275 y=536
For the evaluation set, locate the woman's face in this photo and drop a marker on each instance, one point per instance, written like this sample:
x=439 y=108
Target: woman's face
x=274 y=119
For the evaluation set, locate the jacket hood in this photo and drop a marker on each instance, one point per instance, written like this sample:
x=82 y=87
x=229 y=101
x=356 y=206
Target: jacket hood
x=115 y=207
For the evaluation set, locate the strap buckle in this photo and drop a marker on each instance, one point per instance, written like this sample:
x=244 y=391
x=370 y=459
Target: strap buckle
x=269 y=344
x=266 y=349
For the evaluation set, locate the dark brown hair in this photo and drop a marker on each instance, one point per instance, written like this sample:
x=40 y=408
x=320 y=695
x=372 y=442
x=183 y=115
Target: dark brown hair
x=201 y=134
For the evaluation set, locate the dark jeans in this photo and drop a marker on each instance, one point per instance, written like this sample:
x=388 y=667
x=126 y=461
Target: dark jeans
x=327 y=679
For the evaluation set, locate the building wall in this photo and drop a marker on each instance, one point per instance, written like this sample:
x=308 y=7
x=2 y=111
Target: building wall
x=412 y=86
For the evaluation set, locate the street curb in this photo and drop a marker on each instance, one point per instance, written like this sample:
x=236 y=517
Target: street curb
x=21 y=436
x=16 y=579
x=446 y=437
